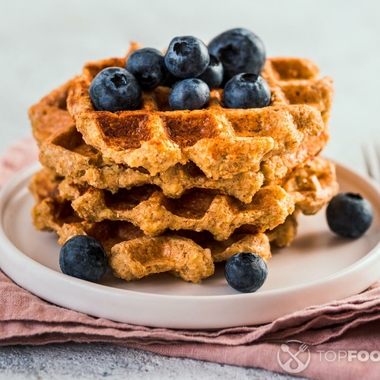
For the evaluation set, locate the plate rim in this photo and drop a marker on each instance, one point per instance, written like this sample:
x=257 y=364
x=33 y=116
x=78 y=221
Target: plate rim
x=18 y=182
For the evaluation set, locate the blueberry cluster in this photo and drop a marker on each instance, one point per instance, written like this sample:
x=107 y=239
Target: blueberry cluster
x=233 y=60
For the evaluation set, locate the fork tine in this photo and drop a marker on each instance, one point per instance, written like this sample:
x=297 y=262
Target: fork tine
x=376 y=161
x=371 y=156
x=367 y=161
x=377 y=152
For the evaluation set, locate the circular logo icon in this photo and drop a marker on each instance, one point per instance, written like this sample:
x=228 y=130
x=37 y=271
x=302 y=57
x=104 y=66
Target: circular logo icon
x=289 y=356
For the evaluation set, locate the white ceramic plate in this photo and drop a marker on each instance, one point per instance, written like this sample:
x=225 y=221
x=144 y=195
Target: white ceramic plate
x=318 y=267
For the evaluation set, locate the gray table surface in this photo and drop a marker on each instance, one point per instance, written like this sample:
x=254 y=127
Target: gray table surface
x=44 y=43
x=104 y=361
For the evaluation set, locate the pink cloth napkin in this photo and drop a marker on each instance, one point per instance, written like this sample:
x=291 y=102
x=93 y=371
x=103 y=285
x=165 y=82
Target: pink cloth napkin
x=339 y=340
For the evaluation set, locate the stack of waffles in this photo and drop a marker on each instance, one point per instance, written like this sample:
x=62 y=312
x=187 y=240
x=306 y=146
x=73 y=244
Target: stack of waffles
x=177 y=191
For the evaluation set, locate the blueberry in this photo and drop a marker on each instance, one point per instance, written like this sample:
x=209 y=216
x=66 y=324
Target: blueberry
x=213 y=75
x=83 y=257
x=240 y=51
x=246 y=272
x=115 y=89
x=349 y=215
x=246 y=91
x=187 y=57
x=189 y=94
x=147 y=65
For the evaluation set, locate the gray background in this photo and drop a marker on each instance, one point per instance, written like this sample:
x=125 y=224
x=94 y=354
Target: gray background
x=44 y=43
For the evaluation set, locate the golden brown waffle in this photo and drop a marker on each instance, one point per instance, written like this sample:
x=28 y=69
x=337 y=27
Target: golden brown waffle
x=133 y=255
x=50 y=114
x=197 y=210
x=67 y=154
x=65 y=151
x=221 y=142
x=285 y=233
x=295 y=81
x=313 y=185
x=308 y=188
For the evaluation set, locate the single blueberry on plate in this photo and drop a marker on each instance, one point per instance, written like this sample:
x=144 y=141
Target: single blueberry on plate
x=147 y=65
x=187 y=57
x=246 y=272
x=213 y=75
x=189 y=94
x=239 y=50
x=115 y=89
x=349 y=215
x=246 y=91
x=83 y=257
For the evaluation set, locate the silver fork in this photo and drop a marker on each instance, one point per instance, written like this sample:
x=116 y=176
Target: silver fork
x=371 y=154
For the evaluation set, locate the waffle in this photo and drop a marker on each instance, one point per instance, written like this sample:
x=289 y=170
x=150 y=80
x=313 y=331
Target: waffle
x=67 y=154
x=133 y=255
x=197 y=210
x=50 y=114
x=63 y=149
x=312 y=185
x=283 y=235
x=221 y=142
x=177 y=191
x=308 y=188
